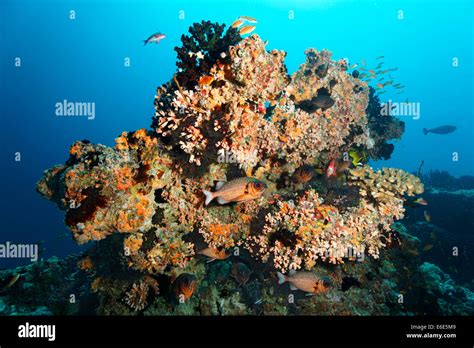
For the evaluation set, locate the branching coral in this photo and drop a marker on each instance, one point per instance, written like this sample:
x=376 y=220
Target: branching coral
x=386 y=185
x=208 y=39
x=300 y=232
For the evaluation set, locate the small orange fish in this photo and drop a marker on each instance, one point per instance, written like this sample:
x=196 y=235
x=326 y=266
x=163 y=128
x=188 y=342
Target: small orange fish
x=206 y=80
x=303 y=174
x=237 y=23
x=331 y=168
x=305 y=281
x=237 y=190
x=371 y=71
x=246 y=29
x=379 y=85
x=214 y=254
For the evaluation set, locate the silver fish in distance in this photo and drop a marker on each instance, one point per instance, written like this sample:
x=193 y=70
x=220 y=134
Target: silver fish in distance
x=155 y=38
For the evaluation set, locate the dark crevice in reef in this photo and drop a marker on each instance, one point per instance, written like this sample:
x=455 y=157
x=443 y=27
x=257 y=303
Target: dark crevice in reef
x=285 y=237
x=149 y=238
x=106 y=249
x=348 y=282
x=159 y=196
x=87 y=209
x=322 y=100
x=158 y=216
x=141 y=175
x=383 y=128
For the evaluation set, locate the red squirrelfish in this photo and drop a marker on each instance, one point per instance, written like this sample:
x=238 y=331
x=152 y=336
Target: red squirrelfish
x=237 y=190
x=331 y=168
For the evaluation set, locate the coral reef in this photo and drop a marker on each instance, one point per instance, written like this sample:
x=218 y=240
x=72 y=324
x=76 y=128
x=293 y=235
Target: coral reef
x=104 y=190
x=441 y=290
x=107 y=190
x=447 y=233
x=50 y=287
x=398 y=283
x=443 y=180
x=236 y=112
x=224 y=116
x=301 y=232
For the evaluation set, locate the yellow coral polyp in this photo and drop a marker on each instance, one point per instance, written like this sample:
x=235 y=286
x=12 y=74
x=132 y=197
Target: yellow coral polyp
x=140 y=134
x=121 y=143
x=75 y=150
x=124 y=177
x=222 y=230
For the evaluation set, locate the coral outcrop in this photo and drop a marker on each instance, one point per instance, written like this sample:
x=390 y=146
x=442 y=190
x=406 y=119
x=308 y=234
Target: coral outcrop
x=231 y=110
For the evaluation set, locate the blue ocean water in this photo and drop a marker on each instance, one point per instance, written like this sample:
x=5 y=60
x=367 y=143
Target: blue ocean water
x=83 y=60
